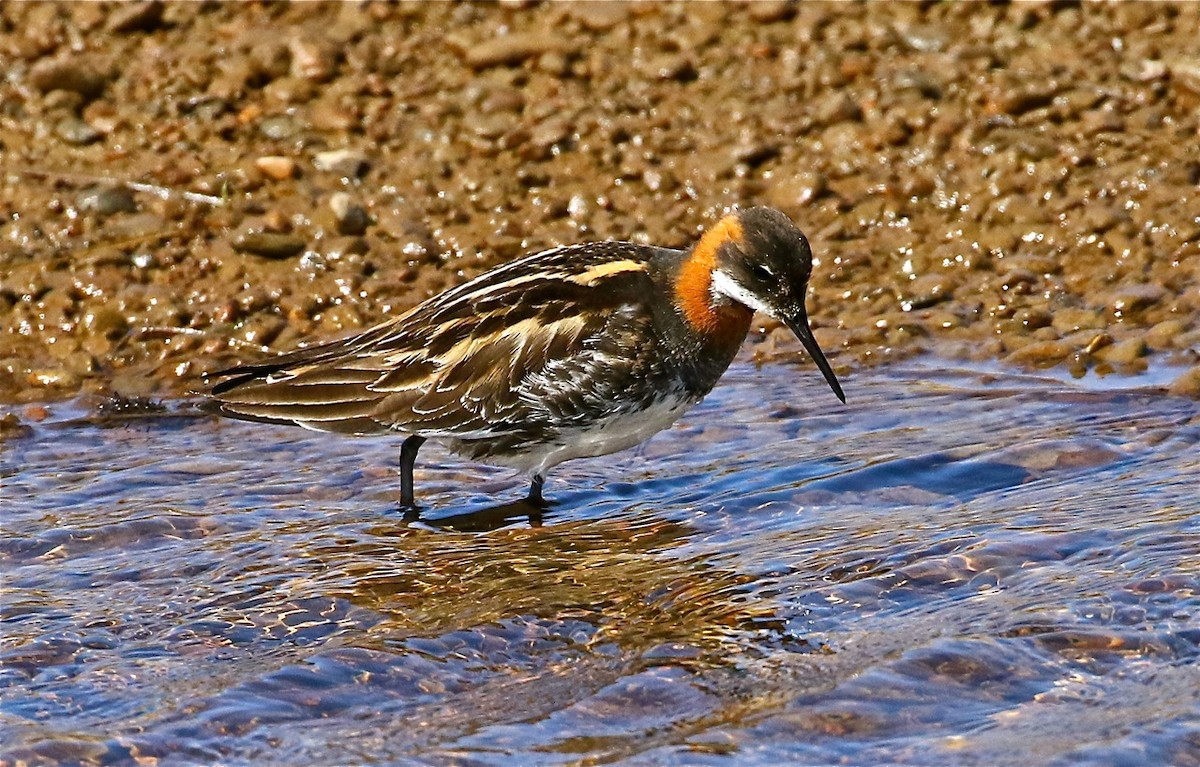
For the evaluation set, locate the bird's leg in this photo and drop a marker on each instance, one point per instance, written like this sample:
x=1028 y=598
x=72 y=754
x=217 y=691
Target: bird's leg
x=408 y=457
x=535 y=490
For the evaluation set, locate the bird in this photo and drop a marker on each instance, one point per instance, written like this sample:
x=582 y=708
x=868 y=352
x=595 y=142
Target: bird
x=572 y=352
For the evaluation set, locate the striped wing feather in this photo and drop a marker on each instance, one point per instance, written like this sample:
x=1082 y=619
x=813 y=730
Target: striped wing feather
x=527 y=347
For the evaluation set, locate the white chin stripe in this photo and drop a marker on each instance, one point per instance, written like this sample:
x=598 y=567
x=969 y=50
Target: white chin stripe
x=724 y=285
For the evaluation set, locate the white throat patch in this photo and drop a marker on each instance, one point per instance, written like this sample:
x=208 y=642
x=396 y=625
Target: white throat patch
x=726 y=286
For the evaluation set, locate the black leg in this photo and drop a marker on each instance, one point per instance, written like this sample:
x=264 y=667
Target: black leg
x=408 y=457
x=535 y=490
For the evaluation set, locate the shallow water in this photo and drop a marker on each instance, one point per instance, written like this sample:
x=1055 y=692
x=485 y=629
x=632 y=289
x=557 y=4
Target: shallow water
x=959 y=567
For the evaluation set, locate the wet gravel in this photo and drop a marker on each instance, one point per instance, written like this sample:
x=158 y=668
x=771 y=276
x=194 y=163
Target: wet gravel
x=185 y=184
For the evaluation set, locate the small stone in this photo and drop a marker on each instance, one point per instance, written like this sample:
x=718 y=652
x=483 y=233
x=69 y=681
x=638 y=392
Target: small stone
x=1187 y=384
x=77 y=74
x=276 y=167
x=1021 y=99
x=920 y=81
x=1098 y=342
x=268 y=244
x=925 y=39
x=925 y=291
x=1032 y=317
x=311 y=60
x=1185 y=73
x=577 y=207
x=278 y=127
x=135 y=17
x=349 y=245
x=510 y=50
x=791 y=191
x=136 y=226
x=1103 y=121
x=1165 y=334
x=754 y=153
x=768 y=11
x=1069 y=320
x=80 y=364
x=670 y=66
x=600 y=15
x=1144 y=71
x=837 y=108
x=328 y=114
x=51 y=377
x=1040 y=354
x=348 y=163
x=352 y=218
x=106 y=200
x=105 y=321
x=72 y=130
x=12 y=428
x=1134 y=298
x=1125 y=352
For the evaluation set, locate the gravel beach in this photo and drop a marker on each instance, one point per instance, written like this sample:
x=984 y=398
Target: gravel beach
x=187 y=185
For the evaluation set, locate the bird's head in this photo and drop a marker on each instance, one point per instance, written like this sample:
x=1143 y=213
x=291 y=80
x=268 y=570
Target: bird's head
x=758 y=259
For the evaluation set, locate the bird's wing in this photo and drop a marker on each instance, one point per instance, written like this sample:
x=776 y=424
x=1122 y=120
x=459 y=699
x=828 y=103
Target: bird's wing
x=489 y=357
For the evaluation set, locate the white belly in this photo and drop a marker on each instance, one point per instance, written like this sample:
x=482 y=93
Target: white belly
x=615 y=433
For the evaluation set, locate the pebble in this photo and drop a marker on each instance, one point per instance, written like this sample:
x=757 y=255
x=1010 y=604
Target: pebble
x=106 y=200
x=769 y=11
x=836 y=108
x=1165 y=334
x=276 y=167
x=346 y=245
x=1068 y=320
x=348 y=163
x=1133 y=298
x=599 y=15
x=72 y=130
x=1033 y=317
x=925 y=291
x=311 y=60
x=1040 y=354
x=1187 y=384
x=1098 y=342
x=12 y=428
x=1103 y=121
x=1123 y=352
x=925 y=38
x=1185 y=73
x=105 y=321
x=796 y=190
x=1018 y=100
x=269 y=244
x=329 y=114
x=920 y=81
x=136 y=17
x=278 y=127
x=52 y=377
x=510 y=49
x=80 y=364
x=137 y=226
x=352 y=218
x=76 y=74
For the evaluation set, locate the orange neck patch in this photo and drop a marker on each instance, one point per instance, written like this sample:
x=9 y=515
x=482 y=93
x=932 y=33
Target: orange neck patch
x=693 y=287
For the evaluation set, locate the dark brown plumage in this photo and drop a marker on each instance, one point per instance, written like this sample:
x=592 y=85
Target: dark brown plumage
x=575 y=351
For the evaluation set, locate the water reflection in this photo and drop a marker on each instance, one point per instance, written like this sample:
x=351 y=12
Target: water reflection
x=958 y=567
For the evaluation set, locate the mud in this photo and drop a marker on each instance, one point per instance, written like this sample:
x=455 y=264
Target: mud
x=186 y=184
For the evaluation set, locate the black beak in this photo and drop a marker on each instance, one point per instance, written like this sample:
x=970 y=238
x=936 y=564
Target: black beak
x=799 y=326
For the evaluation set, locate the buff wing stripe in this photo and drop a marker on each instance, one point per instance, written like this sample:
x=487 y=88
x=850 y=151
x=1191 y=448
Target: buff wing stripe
x=456 y=365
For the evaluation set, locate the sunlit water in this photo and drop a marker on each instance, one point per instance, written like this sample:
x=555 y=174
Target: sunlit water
x=955 y=568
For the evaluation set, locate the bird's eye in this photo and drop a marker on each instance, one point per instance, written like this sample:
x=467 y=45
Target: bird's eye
x=760 y=272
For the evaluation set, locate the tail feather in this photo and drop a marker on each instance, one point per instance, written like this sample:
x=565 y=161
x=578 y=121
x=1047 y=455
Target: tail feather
x=295 y=389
